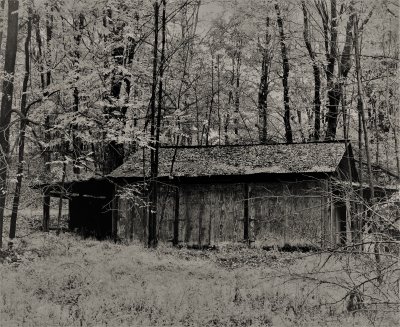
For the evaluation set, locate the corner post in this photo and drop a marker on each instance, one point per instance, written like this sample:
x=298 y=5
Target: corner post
x=114 y=215
x=175 y=240
x=46 y=210
x=246 y=218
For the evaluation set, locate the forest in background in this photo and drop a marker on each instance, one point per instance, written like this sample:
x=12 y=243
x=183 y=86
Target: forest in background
x=88 y=82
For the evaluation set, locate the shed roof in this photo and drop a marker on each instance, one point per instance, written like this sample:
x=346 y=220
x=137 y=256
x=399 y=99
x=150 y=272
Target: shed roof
x=54 y=176
x=237 y=160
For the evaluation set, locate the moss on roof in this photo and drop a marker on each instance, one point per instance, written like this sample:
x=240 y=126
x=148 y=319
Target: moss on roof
x=237 y=160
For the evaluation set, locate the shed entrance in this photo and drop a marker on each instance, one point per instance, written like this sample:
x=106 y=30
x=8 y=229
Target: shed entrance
x=91 y=216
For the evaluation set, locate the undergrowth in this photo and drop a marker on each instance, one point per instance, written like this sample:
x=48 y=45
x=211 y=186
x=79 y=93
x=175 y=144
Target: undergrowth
x=49 y=280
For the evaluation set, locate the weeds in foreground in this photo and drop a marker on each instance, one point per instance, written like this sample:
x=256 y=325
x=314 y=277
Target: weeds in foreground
x=67 y=281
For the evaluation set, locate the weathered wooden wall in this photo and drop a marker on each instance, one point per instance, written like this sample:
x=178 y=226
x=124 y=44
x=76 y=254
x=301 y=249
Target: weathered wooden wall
x=211 y=214
x=267 y=214
x=288 y=213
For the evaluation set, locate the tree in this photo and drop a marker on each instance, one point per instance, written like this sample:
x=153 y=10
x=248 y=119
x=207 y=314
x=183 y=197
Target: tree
x=2 y=3
x=6 y=103
x=264 y=83
x=285 y=77
x=153 y=163
x=316 y=74
x=22 y=128
x=335 y=82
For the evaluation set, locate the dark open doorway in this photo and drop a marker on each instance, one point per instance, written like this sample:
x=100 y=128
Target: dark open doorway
x=91 y=216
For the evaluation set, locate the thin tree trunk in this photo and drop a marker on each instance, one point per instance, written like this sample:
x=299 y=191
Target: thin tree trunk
x=377 y=153
x=36 y=22
x=335 y=87
x=62 y=189
x=237 y=95
x=2 y=3
x=263 y=88
x=333 y=91
x=46 y=80
x=23 y=123
x=218 y=101
x=6 y=103
x=47 y=169
x=285 y=66
x=396 y=149
x=115 y=151
x=230 y=100
x=76 y=142
x=160 y=105
x=360 y=107
x=211 y=102
x=316 y=73
x=152 y=241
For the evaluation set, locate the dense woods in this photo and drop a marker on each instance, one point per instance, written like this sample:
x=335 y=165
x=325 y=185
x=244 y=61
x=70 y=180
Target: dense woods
x=90 y=82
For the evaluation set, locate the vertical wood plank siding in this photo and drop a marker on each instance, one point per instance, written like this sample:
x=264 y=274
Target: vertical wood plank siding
x=210 y=214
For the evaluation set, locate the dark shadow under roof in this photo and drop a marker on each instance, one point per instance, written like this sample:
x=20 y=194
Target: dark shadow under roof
x=237 y=160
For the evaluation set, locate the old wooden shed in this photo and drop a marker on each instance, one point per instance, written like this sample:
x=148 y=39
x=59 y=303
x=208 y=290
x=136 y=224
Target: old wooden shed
x=261 y=194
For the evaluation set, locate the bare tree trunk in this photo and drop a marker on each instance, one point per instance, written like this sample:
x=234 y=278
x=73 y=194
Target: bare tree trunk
x=285 y=64
x=76 y=142
x=263 y=88
x=230 y=101
x=159 y=108
x=316 y=73
x=152 y=241
x=2 y=3
x=45 y=78
x=396 y=149
x=6 y=103
x=333 y=92
x=36 y=22
x=360 y=107
x=23 y=123
x=47 y=168
x=237 y=94
x=218 y=100
x=336 y=84
x=211 y=102
x=60 y=201
x=377 y=152
x=114 y=152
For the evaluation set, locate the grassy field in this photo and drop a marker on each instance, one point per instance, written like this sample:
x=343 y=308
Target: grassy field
x=49 y=280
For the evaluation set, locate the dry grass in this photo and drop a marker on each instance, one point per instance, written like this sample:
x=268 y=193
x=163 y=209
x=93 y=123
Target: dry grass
x=66 y=281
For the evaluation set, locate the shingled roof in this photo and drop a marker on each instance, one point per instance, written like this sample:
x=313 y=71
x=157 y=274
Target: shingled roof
x=237 y=160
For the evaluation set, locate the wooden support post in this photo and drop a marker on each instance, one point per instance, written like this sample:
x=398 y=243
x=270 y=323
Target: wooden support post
x=246 y=218
x=175 y=240
x=285 y=219
x=322 y=222
x=70 y=224
x=114 y=216
x=46 y=211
